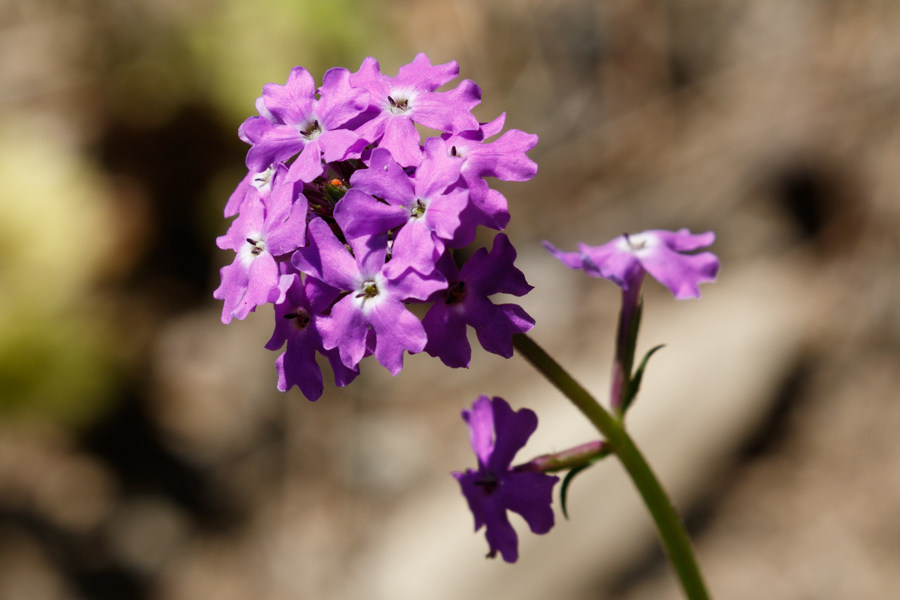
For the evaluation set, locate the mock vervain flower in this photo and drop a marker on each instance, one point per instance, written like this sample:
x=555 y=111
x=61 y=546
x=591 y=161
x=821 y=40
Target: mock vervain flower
x=297 y=323
x=428 y=213
x=262 y=231
x=375 y=300
x=396 y=103
x=503 y=158
x=465 y=302
x=496 y=433
x=293 y=121
x=625 y=259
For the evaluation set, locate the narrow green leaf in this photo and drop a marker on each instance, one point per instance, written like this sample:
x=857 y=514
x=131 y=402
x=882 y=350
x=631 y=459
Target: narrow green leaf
x=635 y=384
x=565 y=485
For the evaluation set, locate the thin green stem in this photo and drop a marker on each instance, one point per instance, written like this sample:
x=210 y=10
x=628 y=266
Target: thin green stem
x=668 y=523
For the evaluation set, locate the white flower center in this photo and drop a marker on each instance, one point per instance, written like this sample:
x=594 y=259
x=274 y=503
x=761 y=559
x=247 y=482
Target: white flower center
x=369 y=292
x=263 y=181
x=637 y=243
x=310 y=130
x=400 y=101
x=255 y=246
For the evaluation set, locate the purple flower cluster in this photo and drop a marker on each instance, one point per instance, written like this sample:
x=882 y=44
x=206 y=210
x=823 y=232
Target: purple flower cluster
x=345 y=217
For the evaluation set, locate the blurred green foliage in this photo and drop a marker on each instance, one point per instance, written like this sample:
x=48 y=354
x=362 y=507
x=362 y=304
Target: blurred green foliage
x=55 y=236
x=243 y=45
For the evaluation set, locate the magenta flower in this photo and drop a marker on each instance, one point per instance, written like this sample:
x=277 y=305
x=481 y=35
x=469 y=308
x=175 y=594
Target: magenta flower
x=376 y=297
x=503 y=158
x=625 y=259
x=292 y=120
x=496 y=433
x=466 y=302
x=427 y=213
x=397 y=103
x=264 y=229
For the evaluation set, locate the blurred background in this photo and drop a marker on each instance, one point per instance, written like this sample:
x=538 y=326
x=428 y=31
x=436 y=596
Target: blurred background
x=145 y=453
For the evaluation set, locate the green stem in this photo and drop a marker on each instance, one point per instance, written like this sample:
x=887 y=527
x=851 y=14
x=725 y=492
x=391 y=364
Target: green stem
x=668 y=523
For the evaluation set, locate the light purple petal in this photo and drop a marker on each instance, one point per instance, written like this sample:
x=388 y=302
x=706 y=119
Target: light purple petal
x=276 y=144
x=345 y=329
x=295 y=100
x=416 y=247
x=289 y=233
x=681 y=273
x=423 y=76
x=337 y=144
x=621 y=267
x=385 y=179
x=683 y=240
x=573 y=260
x=411 y=285
x=369 y=76
x=402 y=139
x=493 y=127
x=438 y=170
x=237 y=196
x=396 y=330
x=504 y=158
x=481 y=429
x=448 y=111
x=444 y=213
x=326 y=258
x=308 y=165
x=234 y=283
x=298 y=366
x=360 y=214
x=370 y=252
x=339 y=101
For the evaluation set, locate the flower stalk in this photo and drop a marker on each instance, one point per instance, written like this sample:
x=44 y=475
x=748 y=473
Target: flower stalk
x=578 y=456
x=668 y=523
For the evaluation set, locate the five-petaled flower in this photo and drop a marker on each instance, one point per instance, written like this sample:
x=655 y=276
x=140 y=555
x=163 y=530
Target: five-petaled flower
x=625 y=259
x=496 y=433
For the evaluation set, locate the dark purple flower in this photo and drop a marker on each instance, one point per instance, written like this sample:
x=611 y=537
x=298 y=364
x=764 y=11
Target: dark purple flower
x=262 y=231
x=376 y=297
x=292 y=120
x=625 y=259
x=297 y=323
x=465 y=302
x=504 y=158
x=396 y=103
x=428 y=213
x=496 y=433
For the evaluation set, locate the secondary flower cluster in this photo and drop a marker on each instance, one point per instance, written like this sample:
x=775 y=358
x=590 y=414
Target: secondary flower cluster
x=345 y=216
